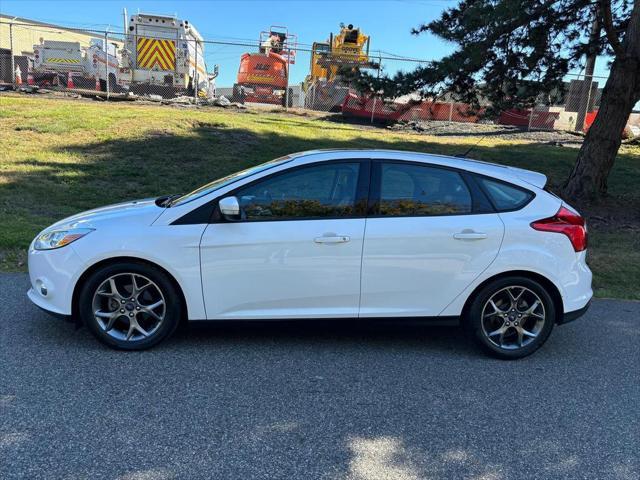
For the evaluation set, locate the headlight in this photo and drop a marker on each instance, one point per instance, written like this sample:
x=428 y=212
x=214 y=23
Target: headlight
x=59 y=238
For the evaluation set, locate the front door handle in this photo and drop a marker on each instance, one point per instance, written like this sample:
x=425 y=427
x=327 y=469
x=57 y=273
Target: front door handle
x=469 y=235
x=332 y=239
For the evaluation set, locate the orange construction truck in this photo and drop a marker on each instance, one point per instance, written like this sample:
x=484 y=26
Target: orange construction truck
x=263 y=77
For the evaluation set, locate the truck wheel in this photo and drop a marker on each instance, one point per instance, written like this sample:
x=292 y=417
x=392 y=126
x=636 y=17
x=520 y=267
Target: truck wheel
x=290 y=101
x=238 y=94
x=113 y=84
x=287 y=99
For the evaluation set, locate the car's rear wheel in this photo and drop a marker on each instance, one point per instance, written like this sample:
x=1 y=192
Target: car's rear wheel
x=130 y=306
x=511 y=317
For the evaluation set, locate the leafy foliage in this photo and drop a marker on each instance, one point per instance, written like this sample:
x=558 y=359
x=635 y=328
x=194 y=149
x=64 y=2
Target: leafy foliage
x=295 y=208
x=509 y=52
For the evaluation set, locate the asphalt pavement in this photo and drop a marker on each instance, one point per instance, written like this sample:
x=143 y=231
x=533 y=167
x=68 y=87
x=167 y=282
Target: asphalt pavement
x=328 y=400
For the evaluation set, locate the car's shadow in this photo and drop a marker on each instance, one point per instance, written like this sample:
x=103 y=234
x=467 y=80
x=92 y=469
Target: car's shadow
x=379 y=336
x=342 y=334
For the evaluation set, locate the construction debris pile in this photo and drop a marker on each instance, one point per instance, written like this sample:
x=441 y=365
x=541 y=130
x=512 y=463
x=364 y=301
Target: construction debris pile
x=486 y=130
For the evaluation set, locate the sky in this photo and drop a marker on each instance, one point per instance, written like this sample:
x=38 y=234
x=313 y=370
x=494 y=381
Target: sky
x=387 y=22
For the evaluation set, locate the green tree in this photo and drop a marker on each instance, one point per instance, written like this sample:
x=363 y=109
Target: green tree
x=511 y=52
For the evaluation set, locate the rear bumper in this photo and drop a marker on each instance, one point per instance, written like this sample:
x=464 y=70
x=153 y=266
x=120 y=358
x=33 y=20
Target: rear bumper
x=574 y=315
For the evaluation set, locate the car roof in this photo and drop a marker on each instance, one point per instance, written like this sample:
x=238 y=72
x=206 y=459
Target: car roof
x=502 y=172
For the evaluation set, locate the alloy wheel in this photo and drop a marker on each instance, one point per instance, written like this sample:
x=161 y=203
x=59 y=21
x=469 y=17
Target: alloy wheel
x=513 y=317
x=129 y=307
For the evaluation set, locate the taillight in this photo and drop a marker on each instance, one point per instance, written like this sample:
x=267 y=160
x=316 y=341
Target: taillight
x=567 y=222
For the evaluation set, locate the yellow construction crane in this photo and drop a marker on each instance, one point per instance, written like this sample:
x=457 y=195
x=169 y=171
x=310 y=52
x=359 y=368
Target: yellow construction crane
x=348 y=49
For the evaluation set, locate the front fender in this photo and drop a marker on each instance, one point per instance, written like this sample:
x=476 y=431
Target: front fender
x=174 y=248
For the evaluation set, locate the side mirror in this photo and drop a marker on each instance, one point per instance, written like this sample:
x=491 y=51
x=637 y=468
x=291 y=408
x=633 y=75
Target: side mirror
x=229 y=208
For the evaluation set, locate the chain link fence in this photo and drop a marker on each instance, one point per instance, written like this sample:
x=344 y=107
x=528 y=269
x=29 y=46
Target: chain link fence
x=165 y=59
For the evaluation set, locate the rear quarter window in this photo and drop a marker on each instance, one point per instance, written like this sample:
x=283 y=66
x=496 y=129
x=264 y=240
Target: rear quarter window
x=505 y=196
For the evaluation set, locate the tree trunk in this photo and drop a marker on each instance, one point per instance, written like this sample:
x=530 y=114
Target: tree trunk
x=595 y=160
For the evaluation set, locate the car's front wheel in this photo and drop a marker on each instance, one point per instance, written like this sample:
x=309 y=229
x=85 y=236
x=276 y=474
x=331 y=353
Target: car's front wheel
x=129 y=305
x=511 y=317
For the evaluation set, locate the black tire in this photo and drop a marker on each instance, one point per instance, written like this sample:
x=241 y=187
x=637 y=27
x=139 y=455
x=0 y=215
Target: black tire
x=473 y=321
x=287 y=100
x=113 y=83
x=172 y=305
x=238 y=94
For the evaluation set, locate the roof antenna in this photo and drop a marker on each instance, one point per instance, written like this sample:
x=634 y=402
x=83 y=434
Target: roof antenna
x=464 y=155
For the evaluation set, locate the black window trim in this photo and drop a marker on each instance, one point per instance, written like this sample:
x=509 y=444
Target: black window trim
x=477 y=195
x=476 y=178
x=367 y=191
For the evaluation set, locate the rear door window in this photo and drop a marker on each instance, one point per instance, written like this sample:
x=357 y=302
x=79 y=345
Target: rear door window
x=420 y=190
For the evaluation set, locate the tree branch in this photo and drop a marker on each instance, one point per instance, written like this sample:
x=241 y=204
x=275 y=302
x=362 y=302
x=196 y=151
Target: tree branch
x=607 y=22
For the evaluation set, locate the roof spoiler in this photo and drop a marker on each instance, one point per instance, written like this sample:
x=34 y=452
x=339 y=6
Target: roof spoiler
x=534 y=178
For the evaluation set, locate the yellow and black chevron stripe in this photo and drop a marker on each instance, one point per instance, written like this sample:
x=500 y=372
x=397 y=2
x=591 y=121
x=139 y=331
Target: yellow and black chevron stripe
x=62 y=60
x=152 y=52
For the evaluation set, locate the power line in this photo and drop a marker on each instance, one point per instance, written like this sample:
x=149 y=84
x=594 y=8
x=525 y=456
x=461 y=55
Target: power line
x=254 y=44
x=300 y=47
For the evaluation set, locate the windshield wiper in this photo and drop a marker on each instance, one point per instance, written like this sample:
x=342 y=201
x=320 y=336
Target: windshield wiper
x=165 y=200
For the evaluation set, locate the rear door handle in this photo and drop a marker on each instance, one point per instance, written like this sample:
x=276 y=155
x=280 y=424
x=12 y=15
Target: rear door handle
x=470 y=236
x=332 y=239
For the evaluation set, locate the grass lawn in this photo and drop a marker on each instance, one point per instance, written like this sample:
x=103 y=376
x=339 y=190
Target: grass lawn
x=60 y=156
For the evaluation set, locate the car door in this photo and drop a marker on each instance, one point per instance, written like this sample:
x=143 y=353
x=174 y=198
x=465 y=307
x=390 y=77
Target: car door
x=429 y=234
x=297 y=249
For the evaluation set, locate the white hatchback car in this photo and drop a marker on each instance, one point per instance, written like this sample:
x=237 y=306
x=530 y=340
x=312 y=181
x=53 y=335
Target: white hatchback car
x=326 y=234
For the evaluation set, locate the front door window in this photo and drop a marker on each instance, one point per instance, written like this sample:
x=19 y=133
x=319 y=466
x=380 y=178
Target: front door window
x=319 y=191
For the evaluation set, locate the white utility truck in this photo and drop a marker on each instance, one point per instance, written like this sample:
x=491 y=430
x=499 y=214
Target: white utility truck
x=164 y=55
x=53 y=61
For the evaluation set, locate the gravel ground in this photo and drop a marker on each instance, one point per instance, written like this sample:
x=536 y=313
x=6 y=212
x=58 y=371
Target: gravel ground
x=320 y=400
x=488 y=130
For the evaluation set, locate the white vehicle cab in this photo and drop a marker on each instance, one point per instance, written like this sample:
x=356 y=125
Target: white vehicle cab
x=326 y=234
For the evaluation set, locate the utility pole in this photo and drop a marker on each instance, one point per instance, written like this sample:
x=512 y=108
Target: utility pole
x=375 y=97
x=195 y=74
x=590 y=65
x=13 y=64
x=287 y=66
x=106 y=62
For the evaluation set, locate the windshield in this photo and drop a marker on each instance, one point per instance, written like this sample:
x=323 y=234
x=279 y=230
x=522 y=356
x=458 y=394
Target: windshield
x=229 y=179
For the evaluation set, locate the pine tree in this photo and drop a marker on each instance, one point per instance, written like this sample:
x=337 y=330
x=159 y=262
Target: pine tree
x=512 y=52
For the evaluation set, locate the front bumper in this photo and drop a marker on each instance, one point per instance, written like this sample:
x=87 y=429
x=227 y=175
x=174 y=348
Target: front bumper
x=34 y=297
x=53 y=275
x=574 y=315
